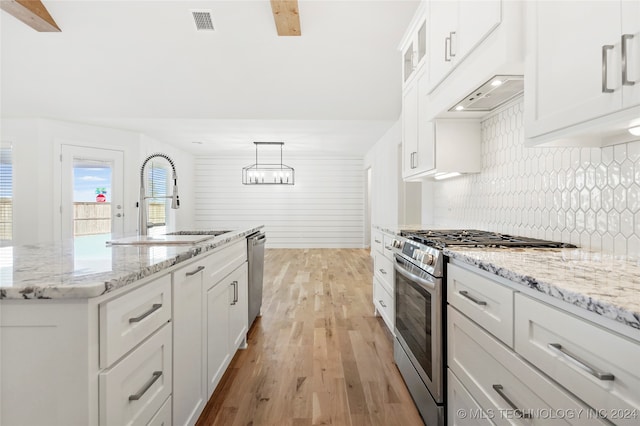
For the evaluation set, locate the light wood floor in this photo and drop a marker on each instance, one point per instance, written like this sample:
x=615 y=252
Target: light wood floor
x=318 y=355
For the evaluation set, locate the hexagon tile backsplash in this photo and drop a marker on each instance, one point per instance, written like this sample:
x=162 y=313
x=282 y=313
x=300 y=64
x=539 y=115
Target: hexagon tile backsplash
x=586 y=196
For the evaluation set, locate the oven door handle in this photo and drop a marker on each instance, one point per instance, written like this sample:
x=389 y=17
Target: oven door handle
x=413 y=277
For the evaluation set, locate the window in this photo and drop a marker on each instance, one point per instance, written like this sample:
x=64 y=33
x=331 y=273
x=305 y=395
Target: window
x=157 y=184
x=6 y=194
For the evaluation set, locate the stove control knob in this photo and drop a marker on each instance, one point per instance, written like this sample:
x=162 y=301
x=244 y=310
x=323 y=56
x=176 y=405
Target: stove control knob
x=396 y=244
x=418 y=255
x=429 y=259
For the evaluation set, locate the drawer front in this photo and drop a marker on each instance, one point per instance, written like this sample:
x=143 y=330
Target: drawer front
x=129 y=319
x=383 y=302
x=377 y=241
x=221 y=263
x=574 y=351
x=462 y=409
x=484 y=301
x=133 y=390
x=384 y=270
x=505 y=386
x=163 y=416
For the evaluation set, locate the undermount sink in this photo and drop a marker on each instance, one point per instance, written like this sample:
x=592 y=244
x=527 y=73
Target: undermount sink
x=172 y=238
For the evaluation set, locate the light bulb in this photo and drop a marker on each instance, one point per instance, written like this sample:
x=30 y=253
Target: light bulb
x=496 y=83
x=635 y=131
x=459 y=108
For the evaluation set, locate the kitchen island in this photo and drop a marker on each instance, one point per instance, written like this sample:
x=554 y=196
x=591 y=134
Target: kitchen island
x=133 y=334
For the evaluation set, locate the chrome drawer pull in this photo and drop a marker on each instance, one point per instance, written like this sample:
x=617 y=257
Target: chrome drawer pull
x=154 y=308
x=378 y=241
x=625 y=70
x=145 y=388
x=382 y=271
x=473 y=299
x=519 y=412
x=581 y=363
x=382 y=304
x=605 y=68
x=198 y=269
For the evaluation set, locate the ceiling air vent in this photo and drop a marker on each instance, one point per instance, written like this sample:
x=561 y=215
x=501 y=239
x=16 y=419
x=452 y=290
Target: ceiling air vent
x=203 y=20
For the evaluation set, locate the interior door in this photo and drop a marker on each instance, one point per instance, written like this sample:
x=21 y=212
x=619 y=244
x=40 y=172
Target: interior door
x=91 y=196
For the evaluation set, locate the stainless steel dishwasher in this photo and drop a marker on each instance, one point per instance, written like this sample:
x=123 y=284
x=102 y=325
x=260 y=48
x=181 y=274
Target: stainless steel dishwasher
x=255 y=249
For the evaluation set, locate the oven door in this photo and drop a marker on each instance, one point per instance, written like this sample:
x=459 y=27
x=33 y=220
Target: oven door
x=419 y=328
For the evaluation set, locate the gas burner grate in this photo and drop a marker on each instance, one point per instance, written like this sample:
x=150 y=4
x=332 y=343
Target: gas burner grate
x=475 y=238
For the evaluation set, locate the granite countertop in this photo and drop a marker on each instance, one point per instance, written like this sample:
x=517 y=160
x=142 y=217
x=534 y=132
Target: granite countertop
x=71 y=270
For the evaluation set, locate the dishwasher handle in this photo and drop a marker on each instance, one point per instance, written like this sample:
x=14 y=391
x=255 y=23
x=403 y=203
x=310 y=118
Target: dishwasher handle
x=259 y=239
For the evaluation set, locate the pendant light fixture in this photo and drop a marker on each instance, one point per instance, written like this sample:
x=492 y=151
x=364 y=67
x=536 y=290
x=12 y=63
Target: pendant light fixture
x=268 y=173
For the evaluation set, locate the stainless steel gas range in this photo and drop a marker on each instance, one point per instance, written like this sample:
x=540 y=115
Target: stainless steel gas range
x=420 y=298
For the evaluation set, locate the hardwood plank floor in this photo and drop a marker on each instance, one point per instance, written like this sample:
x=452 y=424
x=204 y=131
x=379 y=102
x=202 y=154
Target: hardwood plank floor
x=318 y=355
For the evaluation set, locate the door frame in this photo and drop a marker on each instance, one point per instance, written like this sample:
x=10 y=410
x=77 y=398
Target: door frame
x=61 y=198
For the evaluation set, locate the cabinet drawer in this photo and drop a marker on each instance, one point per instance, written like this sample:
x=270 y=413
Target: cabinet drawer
x=384 y=270
x=484 y=301
x=221 y=263
x=129 y=319
x=163 y=416
x=144 y=374
x=504 y=385
x=383 y=301
x=544 y=332
x=377 y=241
x=460 y=405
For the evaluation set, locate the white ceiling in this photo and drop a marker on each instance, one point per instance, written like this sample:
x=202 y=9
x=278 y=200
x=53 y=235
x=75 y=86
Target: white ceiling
x=141 y=65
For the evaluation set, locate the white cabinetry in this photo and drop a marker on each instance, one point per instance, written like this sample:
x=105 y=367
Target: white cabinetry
x=414 y=45
x=517 y=358
x=227 y=318
x=599 y=366
x=189 y=362
x=383 y=278
x=455 y=29
x=583 y=58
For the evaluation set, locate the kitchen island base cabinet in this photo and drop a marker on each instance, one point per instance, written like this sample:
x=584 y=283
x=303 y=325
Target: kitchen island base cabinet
x=227 y=305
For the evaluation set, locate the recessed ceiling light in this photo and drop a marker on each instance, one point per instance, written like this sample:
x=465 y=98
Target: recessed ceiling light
x=459 y=108
x=496 y=83
x=635 y=131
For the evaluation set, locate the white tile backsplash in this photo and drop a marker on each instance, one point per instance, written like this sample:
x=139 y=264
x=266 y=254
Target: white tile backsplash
x=586 y=196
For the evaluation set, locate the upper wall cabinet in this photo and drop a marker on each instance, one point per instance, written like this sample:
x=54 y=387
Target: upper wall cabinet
x=455 y=29
x=582 y=74
x=414 y=45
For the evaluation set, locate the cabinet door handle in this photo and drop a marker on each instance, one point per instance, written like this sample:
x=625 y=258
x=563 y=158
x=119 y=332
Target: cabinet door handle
x=198 y=269
x=451 y=34
x=625 y=69
x=413 y=160
x=378 y=241
x=606 y=48
x=382 y=303
x=156 y=375
x=581 y=363
x=499 y=389
x=235 y=292
x=382 y=271
x=154 y=308
x=466 y=294
x=447 y=48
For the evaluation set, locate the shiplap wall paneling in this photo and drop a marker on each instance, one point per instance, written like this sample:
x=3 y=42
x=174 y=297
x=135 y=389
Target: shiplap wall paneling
x=325 y=207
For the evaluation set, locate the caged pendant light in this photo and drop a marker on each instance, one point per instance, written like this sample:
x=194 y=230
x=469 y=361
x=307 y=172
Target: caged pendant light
x=268 y=174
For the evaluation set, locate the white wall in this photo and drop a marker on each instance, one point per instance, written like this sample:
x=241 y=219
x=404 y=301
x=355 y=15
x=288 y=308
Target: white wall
x=586 y=196
x=325 y=207
x=37 y=183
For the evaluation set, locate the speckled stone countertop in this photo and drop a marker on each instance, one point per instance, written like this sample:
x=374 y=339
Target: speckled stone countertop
x=602 y=283
x=55 y=271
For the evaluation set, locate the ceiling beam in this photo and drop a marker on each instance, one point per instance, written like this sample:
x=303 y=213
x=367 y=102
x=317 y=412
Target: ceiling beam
x=285 y=13
x=31 y=12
